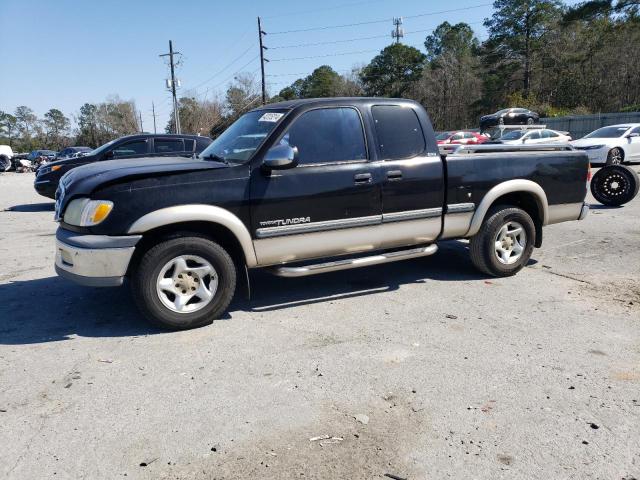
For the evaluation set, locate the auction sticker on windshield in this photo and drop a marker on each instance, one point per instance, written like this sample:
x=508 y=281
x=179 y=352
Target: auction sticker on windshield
x=271 y=117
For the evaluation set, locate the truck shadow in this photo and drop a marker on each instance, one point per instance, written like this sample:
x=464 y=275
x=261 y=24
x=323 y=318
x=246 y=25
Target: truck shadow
x=52 y=309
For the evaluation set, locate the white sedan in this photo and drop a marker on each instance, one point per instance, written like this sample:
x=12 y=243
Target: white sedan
x=534 y=137
x=612 y=145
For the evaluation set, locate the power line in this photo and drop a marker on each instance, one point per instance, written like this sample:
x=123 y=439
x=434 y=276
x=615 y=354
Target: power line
x=324 y=56
x=385 y=20
x=324 y=9
x=226 y=67
x=355 y=39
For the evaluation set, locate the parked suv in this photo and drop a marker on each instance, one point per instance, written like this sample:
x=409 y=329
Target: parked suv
x=133 y=146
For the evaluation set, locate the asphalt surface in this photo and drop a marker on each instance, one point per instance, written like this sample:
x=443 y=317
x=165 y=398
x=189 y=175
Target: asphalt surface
x=419 y=369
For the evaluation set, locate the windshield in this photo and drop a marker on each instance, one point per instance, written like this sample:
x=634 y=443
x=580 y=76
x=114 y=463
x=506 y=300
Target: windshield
x=238 y=142
x=514 y=135
x=104 y=147
x=609 y=132
x=443 y=136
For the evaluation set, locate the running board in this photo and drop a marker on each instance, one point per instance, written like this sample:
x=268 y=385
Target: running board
x=388 y=257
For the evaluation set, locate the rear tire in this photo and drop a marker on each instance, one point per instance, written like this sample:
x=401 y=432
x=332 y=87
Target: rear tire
x=615 y=185
x=504 y=243
x=530 y=121
x=184 y=283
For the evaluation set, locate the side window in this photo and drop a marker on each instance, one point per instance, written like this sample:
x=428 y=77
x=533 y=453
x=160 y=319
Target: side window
x=468 y=135
x=327 y=135
x=168 y=145
x=189 y=144
x=457 y=136
x=399 y=131
x=545 y=134
x=136 y=147
x=635 y=130
x=534 y=135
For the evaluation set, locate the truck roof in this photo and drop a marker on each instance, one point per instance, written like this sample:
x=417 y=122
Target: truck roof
x=291 y=104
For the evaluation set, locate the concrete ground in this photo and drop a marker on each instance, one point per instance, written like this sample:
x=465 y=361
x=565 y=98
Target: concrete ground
x=421 y=369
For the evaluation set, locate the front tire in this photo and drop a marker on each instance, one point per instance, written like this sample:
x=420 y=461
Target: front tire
x=615 y=156
x=504 y=243
x=184 y=283
x=530 y=121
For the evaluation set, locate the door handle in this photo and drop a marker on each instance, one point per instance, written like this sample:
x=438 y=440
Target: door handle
x=362 y=178
x=394 y=175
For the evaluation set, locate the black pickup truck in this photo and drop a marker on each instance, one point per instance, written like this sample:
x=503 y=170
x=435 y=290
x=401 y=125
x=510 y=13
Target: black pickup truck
x=305 y=187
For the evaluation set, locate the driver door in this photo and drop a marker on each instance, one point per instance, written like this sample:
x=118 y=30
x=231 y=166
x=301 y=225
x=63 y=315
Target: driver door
x=329 y=203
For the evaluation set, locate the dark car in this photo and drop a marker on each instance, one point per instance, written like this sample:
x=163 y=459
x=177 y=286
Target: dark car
x=35 y=154
x=70 y=152
x=509 y=116
x=132 y=146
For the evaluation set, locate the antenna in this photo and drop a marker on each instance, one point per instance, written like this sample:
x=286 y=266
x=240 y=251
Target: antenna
x=398 y=32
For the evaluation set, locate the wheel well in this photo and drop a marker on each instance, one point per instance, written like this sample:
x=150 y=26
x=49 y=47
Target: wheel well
x=219 y=233
x=527 y=202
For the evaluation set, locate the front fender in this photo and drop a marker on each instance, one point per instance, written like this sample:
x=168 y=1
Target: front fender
x=198 y=213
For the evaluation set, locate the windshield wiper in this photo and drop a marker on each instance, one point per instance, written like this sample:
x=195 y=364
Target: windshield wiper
x=217 y=158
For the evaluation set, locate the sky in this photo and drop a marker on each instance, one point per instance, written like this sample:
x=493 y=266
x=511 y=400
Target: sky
x=64 y=53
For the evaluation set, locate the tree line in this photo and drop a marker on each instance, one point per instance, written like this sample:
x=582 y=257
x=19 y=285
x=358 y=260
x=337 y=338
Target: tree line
x=539 y=54
x=96 y=124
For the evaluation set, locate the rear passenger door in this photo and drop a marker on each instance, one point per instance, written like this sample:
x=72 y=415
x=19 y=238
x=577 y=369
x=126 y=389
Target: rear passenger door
x=412 y=176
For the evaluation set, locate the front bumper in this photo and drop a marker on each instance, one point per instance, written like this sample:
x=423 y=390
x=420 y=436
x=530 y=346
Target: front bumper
x=94 y=260
x=46 y=188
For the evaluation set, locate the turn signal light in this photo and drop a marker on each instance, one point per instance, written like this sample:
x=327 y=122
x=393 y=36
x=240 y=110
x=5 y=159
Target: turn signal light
x=589 y=173
x=56 y=167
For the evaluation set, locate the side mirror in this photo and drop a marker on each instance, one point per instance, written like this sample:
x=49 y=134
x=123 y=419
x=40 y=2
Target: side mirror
x=280 y=157
x=524 y=140
x=109 y=155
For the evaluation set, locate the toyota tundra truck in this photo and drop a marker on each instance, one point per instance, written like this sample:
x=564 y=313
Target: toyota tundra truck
x=301 y=188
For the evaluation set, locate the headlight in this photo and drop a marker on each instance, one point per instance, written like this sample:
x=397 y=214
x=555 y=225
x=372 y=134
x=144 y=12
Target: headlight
x=83 y=212
x=594 y=147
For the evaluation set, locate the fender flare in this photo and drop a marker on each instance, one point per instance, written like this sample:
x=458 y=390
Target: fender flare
x=510 y=186
x=198 y=213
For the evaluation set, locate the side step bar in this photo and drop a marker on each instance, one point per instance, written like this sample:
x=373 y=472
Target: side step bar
x=388 y=257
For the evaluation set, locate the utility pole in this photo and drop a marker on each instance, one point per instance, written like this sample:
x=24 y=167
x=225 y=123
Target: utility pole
x=176 y=116
x=140 y=117
x=398 y=32
x=153 y=109
x=262 y=60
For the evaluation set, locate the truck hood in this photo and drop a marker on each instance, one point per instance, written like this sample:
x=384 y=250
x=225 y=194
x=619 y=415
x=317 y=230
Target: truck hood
x=83 y=180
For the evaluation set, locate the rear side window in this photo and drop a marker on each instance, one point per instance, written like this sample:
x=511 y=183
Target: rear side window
x=165 y=145
x=534 y=135
x=327 y=135
x=399 y=131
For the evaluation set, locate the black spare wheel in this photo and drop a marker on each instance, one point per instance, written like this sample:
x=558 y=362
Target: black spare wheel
x=615 y=185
